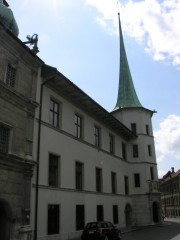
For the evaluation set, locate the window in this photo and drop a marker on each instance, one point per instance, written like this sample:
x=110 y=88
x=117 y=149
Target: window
x=111 y=143
x=54 y=113
x=97 y=136
x=98 y=179
x=100 y=213
x=137 y=180
x=113 y=182
x=53 y=219
x=152 y=173
x=10 y=75
x=79 y=175
x=149 y=150
x=147 y=129
x=115 y=214
x=124 y=154
x=135 y=150
x=4 y=139
x=53 y=170
x=79 y=217
x=126 y=184
x=133 y=128
x=78 y=126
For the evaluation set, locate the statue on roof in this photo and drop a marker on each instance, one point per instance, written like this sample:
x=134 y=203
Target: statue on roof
x=7 y=18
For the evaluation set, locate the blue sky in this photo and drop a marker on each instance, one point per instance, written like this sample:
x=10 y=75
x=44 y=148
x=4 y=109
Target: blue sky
x=80 y=38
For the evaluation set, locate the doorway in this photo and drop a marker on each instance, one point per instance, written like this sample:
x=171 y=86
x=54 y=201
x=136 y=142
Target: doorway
x=5 y=217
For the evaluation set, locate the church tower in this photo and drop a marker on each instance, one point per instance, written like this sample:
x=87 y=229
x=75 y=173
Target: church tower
x=141 y=151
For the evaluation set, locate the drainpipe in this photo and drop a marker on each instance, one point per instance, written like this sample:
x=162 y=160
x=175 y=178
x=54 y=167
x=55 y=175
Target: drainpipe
x=38 y=160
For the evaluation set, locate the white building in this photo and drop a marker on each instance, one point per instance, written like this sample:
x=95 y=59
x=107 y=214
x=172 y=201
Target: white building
x=89 y=164
x=93 y=165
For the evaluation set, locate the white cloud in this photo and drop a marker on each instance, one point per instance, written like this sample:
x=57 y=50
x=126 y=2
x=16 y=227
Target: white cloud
x=151 y=22
x=167 y=138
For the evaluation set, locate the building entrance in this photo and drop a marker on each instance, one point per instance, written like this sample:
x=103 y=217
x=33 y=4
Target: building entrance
x=5 y=216
x=155 y=208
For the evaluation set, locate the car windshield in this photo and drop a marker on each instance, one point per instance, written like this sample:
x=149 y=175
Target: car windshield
x=99 y=225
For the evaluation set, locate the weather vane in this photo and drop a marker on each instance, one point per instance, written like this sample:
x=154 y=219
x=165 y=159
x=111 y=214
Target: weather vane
x=33 y=41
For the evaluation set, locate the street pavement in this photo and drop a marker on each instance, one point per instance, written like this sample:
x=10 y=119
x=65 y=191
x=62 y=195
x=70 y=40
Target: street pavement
x=168 y=230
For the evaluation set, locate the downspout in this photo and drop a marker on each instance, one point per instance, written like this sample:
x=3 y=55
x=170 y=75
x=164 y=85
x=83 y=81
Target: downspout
x=38 y=160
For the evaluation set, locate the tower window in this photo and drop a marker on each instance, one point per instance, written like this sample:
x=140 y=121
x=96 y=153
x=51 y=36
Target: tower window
x=126 y=184
x=135 y=151
x=149 y=150
x=137 y=180
x=147 y=129
x=133 y=128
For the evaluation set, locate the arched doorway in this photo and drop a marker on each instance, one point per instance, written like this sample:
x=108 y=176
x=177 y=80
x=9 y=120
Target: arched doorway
x=5 y=220
x=128 y=215
x=155 y=209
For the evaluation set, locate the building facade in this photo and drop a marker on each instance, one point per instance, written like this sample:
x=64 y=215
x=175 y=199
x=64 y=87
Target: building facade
x=64 y=159
x=170 y=193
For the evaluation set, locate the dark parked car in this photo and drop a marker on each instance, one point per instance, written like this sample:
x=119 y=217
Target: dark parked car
x=101 y=230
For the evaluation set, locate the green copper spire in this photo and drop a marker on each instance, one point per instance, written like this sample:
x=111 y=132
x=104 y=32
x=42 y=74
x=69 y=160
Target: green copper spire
x=127 y=96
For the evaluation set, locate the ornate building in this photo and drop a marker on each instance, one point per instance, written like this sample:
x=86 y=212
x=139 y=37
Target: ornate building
x=88 y=164
x=19 y=70
x=170 y=193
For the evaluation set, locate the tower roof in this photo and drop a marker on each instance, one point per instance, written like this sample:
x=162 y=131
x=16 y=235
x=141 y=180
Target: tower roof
x=7 y=18
x=127 y=96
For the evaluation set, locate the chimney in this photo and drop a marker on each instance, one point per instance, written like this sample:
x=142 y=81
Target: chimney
x=172 y=170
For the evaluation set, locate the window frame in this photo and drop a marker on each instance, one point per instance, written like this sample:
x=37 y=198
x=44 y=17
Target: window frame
x=137 y=180
x=99 y=185
x=10 y=76
x=135 y=151
x=54 y=115
x=53 y=172
x=5 y=146
x=49 y=220
x=78 y=126
x=100 y=213
x=113 y=182
x=97 y=136
x=149 y=150
x=80 y=222
x=111 y=144
x=134 y=128
x=126 y=185
x=124 y=151
x=79 y=175
x=115 y=214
